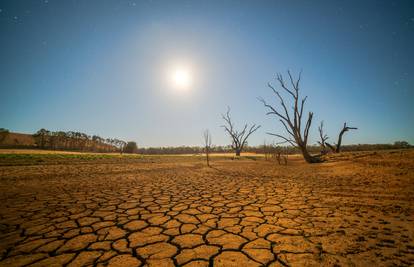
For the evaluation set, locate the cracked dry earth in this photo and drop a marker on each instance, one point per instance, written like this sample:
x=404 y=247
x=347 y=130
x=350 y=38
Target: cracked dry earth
x=354 y=210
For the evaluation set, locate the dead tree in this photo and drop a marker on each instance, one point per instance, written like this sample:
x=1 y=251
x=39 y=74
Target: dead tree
x=207 y=145
x=281 y=155
x=285 y=158
x=239 y=138
x=323 y=137
x=266 y=150
x=337 y=148
x=278 y=154
x=292 y=122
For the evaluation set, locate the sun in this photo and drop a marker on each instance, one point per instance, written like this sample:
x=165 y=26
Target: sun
x=181 y=78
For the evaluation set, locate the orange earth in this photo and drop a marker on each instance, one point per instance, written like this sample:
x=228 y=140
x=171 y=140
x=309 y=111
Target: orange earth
x=356 y=209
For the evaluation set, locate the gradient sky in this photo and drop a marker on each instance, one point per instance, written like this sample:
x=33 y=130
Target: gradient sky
x=100 y=66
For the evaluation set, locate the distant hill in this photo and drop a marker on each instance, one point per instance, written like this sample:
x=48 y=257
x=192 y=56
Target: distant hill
x=13 y=140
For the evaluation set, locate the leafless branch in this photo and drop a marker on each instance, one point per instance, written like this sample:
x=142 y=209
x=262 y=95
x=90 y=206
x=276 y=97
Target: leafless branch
x=239 y=138
x=292 y=122
x=207 y=144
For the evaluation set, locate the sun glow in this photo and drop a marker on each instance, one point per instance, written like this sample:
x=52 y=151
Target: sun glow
x=181 y=78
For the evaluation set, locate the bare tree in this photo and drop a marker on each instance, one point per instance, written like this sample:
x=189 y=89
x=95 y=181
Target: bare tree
x=239 y=138
x=280 y=154
x=266 y=151
x=323 y=137
x=286 y=156
x=207 y=145
x=337 y=148
x=292 y=122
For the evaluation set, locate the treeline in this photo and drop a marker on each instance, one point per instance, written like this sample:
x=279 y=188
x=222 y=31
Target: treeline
x=317 y=148
x=266 y=149
x=182 y=150
x=76 y=141
x=69 y=141
x=370 y=147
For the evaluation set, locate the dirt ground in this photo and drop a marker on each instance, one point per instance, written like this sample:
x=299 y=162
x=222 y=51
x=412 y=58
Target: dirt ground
x=357 y=209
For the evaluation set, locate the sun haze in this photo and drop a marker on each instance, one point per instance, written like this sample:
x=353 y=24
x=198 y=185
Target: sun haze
x=181 y=78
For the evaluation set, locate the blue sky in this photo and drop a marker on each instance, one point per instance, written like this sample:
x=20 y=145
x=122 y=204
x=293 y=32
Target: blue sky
x=101 y=67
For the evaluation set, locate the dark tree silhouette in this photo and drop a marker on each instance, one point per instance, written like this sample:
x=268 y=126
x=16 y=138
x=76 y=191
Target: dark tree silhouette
x=323 y=137
x=42 y=135
x=337 y=148
x=402 y=144
x=239 y=138
x=207 y=145
x=131 y=147
x=292 y=122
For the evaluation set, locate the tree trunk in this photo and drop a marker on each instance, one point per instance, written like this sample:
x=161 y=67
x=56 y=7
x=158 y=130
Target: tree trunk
x=308 y=157
x=208 y=157
x=331 y=147
x=238 y=152
x=338 y=146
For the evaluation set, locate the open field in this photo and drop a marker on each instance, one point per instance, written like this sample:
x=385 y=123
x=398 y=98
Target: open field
x=58 y=152
x=13 y=157
x=356 y=209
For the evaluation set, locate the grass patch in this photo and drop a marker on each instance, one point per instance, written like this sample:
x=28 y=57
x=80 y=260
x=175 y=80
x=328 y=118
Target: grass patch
x=56 y=158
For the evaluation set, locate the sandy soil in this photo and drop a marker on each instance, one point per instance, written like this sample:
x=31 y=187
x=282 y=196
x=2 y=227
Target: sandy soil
x=357 y=209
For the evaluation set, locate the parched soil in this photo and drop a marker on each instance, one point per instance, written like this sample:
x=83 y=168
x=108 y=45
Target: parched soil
x=356 y=209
